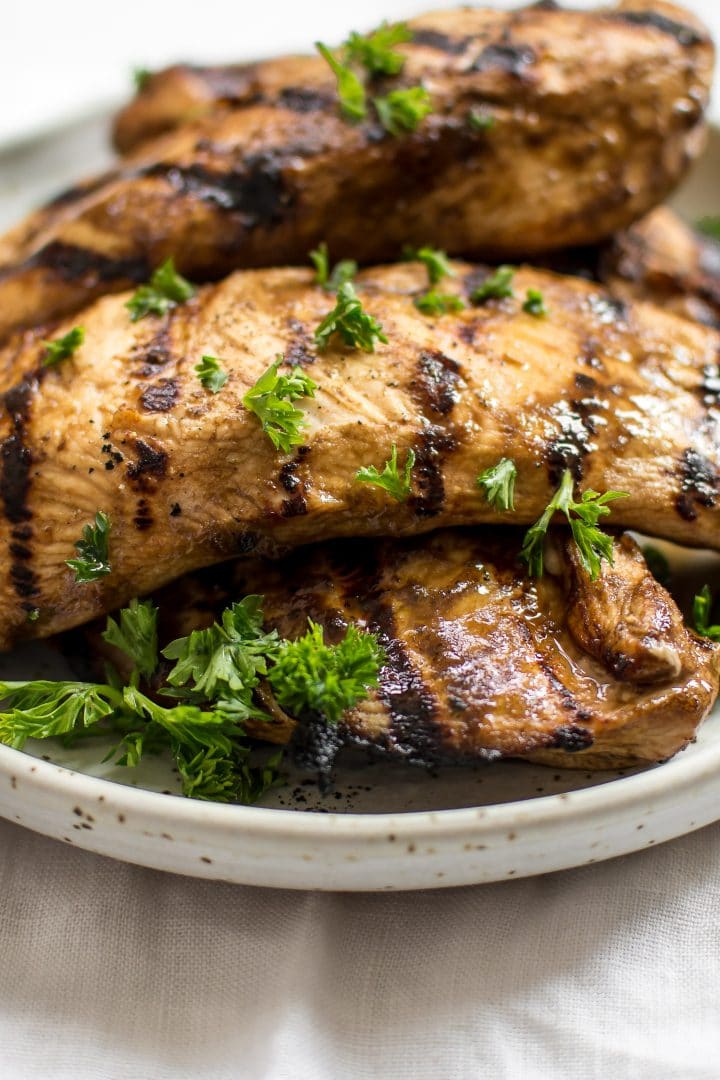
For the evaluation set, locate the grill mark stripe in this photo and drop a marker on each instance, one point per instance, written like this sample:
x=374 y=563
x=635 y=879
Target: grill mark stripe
x=681 y=32
x=15 y=480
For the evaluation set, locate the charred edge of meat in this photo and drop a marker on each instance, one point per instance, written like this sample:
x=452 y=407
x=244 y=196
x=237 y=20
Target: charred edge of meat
x=257 y=191
x=15 y=466
x=436 y=387
x=151 y=465
x=435 y=39
x=684 y=35
x=434 y=443
x=295 y=485
x=572 y=738
x=77 y=264
x=513 y=59
x=160 y=396
x=301 y=347
x=303 y=100
x=699 y=485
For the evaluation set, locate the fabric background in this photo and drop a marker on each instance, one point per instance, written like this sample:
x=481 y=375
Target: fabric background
x=108 y=971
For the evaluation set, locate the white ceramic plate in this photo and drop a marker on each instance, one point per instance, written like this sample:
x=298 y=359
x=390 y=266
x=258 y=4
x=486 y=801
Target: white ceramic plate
x=383 y=826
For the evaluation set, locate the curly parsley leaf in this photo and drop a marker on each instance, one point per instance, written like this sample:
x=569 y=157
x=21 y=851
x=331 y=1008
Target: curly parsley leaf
x=43 y=709
x=92 y=560
x=498 y=483
x=434 y=302
x=343 y=271
x=351 y=322
x=226 y=661
x=535 y=304
x=351 y=92
x=376 y=51
x=397 y=484
x=497 y=286
x=435 y=261
x=311 y=677
x=165 y=290
x=63 y=347
x=702 y=613
x=593 y=544
x=270 y=399
x=403 y=110
x=211 y=374
x=136 y=635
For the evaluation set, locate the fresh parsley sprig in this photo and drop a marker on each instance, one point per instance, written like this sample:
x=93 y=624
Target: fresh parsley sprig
x=343 y=271
x=351 y=92
x=434 y=302
x=63 y=347
x=498 y=483
x=395 y=482
x=702 y=613
x=165 y=290
x=709 y=226
x=92 y=560
x=376 y=51
x=270 y=399
x=351 y=322
x=211 y=374
x=136 y=635
x=583 y=516
x=403 y=110
x=498 y=286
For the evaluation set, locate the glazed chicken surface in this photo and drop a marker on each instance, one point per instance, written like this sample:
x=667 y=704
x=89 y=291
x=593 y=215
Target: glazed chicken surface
x=595 y=117
x=621 y=395
x=482 y=662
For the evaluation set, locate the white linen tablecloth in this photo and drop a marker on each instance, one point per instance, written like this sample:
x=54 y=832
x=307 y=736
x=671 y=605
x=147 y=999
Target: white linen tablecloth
x=108 y=971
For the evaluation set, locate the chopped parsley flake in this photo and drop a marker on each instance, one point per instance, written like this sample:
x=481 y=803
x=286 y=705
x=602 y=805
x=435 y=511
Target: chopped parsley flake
x=271 y=400
x=481 y=120
x=702 y=611
x=593 y=544
x=351 y=322
x=499 y=484
x=497 y=286
x=403 y=110
x=434 y=302
x=211 y=374
x=165 y=290
x=343 y=271
x=92 y=559
x=376 y=51
x=535 y=304
x=63 y=347
x=396 y=483
x=709 y=226
x=351 y=92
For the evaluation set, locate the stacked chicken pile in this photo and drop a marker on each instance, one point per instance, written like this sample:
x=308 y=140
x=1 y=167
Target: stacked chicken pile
x=459 y=436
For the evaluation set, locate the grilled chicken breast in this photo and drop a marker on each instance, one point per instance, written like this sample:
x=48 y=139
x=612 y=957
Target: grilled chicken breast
x=666 y=261
x=482 y=662
x=623 y=395
x=596 y=117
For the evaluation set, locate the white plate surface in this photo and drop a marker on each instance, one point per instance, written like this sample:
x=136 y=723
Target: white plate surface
x=383 y=826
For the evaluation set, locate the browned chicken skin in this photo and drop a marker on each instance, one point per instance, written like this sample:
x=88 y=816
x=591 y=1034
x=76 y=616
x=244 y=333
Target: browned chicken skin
x=620 y=394
x=483 y=662
x=596 y=117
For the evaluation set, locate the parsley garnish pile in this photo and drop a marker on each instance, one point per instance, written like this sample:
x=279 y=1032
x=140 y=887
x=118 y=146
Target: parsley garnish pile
x=92 y=559
x=434 y=302
x=351 y=322
x=63 y=347
x=165 y=290
x=391 y=479
x=271 y=400
x=593 y=544
x=498 y=483
x=211 y=374
x=214 y=680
